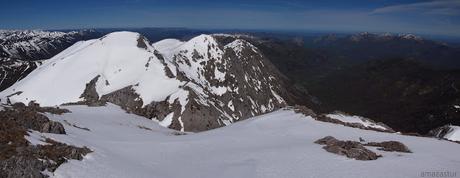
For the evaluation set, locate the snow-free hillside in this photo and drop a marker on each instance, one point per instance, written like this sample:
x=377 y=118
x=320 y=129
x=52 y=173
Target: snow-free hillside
x=193 y=85
x=278 y=144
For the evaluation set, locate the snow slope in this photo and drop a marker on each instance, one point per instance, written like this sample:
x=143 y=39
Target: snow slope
x=115 y=58
x=278 y=144
x=453 y=134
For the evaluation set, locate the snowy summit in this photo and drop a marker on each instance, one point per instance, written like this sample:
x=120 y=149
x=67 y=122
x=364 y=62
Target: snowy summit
x=165 y=81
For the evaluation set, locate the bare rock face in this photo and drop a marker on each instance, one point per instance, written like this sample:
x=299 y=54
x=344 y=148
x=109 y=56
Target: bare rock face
x=233 y=81
x=350 y=149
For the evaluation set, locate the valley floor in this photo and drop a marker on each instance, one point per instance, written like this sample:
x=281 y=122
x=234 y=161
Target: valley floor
x=278 y=144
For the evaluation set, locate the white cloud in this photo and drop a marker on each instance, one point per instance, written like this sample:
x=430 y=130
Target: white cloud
x=440 y=7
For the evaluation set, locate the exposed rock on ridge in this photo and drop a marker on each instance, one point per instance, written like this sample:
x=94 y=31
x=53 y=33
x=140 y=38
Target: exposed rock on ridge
x=204 y=83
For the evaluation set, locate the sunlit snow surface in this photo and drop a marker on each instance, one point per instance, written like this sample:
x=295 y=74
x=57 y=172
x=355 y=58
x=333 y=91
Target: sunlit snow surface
x=454 y=133
x=356 y=119
x=115 y=58
x=278 y=144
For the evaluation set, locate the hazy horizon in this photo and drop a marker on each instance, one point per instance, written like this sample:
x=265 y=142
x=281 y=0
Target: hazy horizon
x=439 y=17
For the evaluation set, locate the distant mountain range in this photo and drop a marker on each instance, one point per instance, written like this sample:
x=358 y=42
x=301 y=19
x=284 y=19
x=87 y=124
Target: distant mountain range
x=364 y=47
x=405 y=81
x=22 y=51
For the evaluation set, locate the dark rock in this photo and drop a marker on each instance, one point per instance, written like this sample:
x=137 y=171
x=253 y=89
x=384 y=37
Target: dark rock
x=440 y=132
x=126 y=98
x=90 y=95
x=22 y=166
x=18 y=158
x=304 y=110
x=141 y=42
x=53 y=110
x=350 y=149
x=390 y=146
x=30 y=118
x=328 y=140
x=362 y=153
x=52 y=127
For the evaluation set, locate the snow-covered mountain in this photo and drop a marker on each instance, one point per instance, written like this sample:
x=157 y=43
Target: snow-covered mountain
x=37 y=44
x=20 y=48
x=366 y=36
x=12 y=70
x=194 y=85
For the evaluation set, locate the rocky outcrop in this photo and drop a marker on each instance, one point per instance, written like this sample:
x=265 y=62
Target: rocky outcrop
x=357 y=150
x=32 y=161
x=30 y=118
x=36 y=107
x=18 y=156
x=350 y=149
x=390 y=146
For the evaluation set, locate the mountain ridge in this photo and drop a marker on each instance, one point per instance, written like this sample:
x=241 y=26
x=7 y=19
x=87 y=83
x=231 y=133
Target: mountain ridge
x=199 y=85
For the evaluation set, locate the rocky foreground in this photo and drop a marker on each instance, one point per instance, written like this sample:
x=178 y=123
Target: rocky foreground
x=277 y=144
x=22 y=152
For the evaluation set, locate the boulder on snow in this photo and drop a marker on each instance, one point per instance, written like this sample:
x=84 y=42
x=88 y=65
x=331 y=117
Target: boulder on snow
x=350 y=149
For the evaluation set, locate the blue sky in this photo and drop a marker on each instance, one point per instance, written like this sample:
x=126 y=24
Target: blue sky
x=440 y=17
